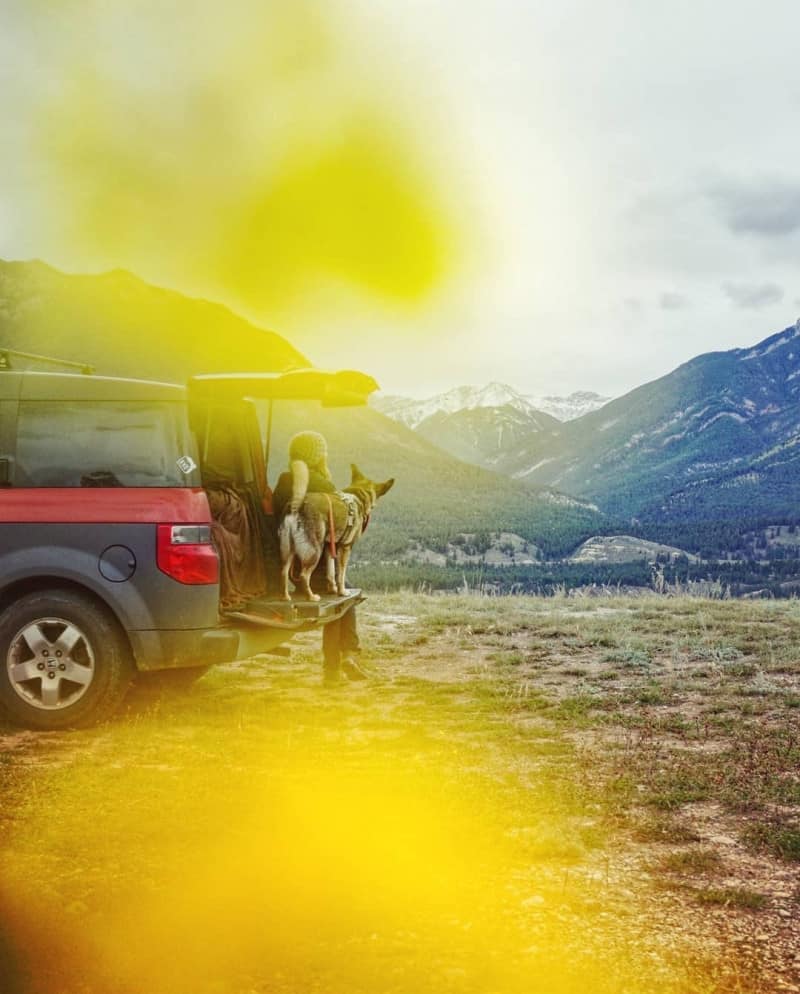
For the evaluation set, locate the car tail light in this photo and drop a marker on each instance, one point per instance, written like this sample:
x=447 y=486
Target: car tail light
x=185 y=553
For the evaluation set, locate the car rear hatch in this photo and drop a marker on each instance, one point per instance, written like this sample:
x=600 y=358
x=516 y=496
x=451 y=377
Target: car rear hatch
x=342 y=389
x=215 y=396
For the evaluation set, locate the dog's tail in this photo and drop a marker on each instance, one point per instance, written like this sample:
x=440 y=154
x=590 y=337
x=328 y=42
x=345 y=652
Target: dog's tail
x=294 y=542
x=300 y=477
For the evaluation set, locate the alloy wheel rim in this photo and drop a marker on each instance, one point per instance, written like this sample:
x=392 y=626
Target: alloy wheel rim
x=50 y=663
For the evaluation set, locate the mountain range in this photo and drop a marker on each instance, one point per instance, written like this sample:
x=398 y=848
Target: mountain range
x=717 y=439
x=413 y=412
x=482 y=424
x=126 y=327
x=714 y=443
x=122 y=325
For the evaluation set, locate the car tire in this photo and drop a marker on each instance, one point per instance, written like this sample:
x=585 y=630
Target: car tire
x=64 y=663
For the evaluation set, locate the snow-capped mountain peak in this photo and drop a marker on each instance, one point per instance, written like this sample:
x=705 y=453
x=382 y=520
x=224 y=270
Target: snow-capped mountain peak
x=466 y=398
x=569 y=408
x=492 y=395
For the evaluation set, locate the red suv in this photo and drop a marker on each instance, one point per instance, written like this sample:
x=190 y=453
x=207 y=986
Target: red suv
x=107 y=564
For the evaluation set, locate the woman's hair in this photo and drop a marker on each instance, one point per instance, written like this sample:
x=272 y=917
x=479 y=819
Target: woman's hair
x=307 y=450
x=311 y=448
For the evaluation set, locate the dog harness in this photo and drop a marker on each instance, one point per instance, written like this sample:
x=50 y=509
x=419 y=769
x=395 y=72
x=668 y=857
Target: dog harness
x=331 y=527
x=351 y=526
x=348 y=535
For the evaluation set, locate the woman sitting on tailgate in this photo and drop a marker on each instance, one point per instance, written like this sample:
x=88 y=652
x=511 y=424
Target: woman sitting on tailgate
x=308 y=473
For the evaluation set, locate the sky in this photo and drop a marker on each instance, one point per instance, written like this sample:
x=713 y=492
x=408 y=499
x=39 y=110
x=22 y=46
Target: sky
x=564 y=196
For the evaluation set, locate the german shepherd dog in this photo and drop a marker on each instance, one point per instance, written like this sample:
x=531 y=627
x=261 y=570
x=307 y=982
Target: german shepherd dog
x=304 y=536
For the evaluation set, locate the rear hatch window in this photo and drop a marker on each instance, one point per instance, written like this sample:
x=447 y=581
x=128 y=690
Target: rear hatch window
x=104 y=444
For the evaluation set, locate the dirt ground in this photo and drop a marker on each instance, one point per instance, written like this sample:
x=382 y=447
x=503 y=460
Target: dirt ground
x=528 y=794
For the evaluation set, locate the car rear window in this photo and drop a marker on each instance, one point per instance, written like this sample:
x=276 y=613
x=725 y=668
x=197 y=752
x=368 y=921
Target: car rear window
x=104 y=444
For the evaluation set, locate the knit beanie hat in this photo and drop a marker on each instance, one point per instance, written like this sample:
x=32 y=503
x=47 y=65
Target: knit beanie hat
x=310 y=447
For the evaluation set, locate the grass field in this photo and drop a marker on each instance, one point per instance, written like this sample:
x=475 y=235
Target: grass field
x=531 y=795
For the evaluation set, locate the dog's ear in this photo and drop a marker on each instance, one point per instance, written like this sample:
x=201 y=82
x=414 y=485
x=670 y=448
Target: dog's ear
x=356 y=473
x=382 y=488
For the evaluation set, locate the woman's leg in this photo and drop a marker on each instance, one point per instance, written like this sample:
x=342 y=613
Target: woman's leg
x=339 y=644
x=350 y=646
x=348 y=633
x=331 y=651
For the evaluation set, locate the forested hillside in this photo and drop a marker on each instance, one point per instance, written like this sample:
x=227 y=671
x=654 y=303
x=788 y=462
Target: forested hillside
x=436 y=497
x=125 y=327
x=717 y=438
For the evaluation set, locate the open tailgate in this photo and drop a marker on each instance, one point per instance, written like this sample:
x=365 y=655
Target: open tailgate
x=296 y=615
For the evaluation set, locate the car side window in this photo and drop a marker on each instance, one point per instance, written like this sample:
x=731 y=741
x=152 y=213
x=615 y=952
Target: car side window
x=103 y=444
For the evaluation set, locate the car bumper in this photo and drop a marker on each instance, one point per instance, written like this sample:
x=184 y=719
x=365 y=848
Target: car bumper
x=169 y=650
x=264 y=626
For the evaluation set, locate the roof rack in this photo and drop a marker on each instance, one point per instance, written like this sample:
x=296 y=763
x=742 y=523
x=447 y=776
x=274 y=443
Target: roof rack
x=6 y=356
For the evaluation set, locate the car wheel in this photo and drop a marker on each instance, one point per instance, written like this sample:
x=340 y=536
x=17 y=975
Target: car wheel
x=63 y=661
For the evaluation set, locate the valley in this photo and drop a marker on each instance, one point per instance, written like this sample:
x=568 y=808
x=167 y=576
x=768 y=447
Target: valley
x=495 y=486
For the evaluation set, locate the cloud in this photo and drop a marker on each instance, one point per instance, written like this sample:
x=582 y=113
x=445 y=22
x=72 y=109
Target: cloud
x=753 y=296
x=669 y=301
x=769 y=208
x=633 y=305
x=668 y=233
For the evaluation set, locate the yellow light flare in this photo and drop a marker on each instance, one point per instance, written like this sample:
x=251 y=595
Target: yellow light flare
x=261 y=154
x=249 y=862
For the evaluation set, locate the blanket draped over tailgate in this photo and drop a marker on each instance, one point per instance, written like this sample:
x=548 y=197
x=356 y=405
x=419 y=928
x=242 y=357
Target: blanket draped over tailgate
x=238 y=541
